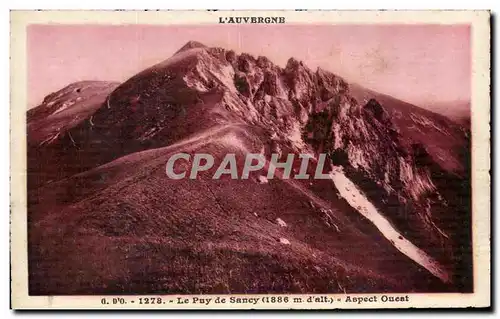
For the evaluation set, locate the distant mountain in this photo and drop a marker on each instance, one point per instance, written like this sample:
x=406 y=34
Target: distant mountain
x=395 y=215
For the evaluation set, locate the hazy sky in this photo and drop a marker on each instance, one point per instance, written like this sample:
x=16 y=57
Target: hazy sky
x=416 y=63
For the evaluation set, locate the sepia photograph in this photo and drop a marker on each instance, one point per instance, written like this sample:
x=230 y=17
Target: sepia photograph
x=251 y=158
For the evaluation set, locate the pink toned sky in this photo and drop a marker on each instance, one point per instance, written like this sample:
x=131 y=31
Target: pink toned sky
x=420 y=64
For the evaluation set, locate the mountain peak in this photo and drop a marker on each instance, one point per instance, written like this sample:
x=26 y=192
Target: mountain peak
x=191 y=45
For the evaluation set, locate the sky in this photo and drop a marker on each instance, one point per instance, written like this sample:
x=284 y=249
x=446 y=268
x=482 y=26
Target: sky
x=420 y=64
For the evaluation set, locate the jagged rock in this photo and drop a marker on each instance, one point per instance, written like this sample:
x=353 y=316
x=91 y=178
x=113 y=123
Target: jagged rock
x=377 y=110
x=263 y=62
x=241 y=84
x=339 y=157
x=311 y=204
x=245 y=62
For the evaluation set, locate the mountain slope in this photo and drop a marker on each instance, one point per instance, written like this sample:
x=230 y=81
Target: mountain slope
x=126 y=228
x=49 y=126
x=104 y=213
x=443 y=138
